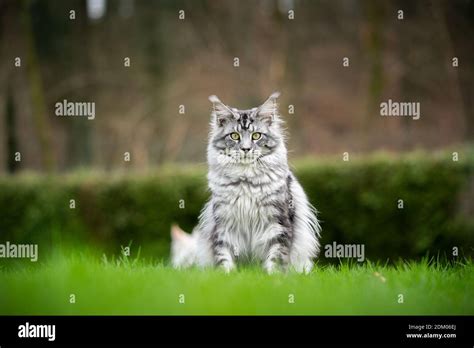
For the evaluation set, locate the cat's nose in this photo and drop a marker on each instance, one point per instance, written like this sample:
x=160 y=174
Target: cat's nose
x=245 y=149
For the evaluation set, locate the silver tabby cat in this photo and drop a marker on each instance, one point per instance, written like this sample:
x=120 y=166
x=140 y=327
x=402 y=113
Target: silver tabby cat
x=257 y=211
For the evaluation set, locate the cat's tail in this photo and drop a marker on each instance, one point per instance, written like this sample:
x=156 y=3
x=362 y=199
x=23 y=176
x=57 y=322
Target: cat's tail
x=183 y=247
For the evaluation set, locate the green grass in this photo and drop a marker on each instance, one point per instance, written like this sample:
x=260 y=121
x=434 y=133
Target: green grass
x=136 y=287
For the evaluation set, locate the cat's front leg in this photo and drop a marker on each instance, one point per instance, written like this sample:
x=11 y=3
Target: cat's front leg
x=223 y=256
x=278 y=250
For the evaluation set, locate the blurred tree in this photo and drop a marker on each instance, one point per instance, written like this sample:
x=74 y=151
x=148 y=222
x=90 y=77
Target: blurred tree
x=375 y=12
x=36 y=89
x=10 y=128
x=457 y=19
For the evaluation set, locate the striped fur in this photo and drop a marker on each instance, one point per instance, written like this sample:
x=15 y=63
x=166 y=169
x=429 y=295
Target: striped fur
x=257 y=211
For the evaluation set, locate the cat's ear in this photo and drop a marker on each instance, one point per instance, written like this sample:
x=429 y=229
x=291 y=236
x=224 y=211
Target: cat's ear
x=221 y=112
x=268 y=111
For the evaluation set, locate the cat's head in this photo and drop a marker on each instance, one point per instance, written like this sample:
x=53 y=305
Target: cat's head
x=251 y=136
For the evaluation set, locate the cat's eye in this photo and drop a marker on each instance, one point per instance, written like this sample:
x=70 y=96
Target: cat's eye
x=256 y=136
x=235 y=136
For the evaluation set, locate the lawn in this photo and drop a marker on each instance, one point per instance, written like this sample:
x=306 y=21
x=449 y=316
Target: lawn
x=123 y=286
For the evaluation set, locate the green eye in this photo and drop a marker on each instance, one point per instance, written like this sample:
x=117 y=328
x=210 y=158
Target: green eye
x=235 y=136
x=256 y=136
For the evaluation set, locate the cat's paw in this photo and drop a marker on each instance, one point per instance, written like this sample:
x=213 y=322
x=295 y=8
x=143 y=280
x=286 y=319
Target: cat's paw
x=227 y=267
x=272 y=267
x=304 y=267
x=308 y=267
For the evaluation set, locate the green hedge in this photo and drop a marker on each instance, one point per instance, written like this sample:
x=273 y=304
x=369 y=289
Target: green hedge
x=357 y=201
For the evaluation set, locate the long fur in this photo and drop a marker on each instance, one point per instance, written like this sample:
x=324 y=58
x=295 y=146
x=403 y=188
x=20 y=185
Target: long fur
x=257 y=211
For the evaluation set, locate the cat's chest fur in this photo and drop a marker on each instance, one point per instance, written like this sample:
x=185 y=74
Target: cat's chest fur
x=245 y=209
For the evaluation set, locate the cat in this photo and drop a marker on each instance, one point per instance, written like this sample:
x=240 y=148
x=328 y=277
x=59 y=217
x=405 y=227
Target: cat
x=257 y=211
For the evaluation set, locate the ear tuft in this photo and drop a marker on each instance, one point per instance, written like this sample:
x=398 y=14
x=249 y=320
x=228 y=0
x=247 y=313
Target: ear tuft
x=274 y=95
x=213 y=99
x=268 y=111
x=221 y=112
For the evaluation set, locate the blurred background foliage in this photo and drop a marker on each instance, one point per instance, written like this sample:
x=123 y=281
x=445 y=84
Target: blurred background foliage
x=181 y=62
x=177 y=63
x=358 y=203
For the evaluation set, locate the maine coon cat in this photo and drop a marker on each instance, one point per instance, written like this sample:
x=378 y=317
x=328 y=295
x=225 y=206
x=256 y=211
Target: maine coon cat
x=257 y=211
